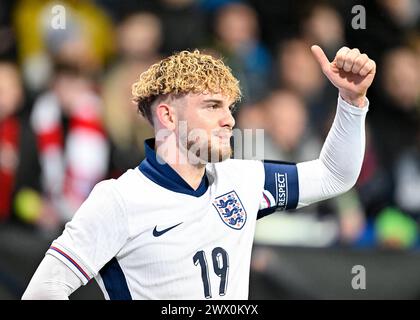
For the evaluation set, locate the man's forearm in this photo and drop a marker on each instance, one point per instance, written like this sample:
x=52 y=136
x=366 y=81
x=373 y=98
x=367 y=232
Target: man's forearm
x=340 y=161
x=53 y=280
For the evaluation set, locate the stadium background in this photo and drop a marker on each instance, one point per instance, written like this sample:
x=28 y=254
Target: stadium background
x=66 y=122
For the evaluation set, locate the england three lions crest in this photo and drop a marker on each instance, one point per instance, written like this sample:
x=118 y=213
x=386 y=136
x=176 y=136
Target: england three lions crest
x=230 y=210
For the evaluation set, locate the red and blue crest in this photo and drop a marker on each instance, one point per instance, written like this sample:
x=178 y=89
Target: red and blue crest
x=230 y=210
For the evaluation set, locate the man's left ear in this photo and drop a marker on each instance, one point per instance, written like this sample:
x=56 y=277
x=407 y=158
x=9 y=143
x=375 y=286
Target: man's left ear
x=166 y=116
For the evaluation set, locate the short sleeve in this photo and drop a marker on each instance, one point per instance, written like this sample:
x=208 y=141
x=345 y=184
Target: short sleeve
x=96 y=233
x=281 y=187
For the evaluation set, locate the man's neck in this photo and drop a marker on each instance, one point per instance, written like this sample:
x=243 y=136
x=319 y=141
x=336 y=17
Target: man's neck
x=191 y=173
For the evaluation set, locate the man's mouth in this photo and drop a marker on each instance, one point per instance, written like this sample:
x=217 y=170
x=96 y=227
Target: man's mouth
x=224 y=134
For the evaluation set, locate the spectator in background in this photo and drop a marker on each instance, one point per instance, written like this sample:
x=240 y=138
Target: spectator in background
x=374 y=184
x=237 y=38
x=87 y=38
x=71 y=142
x=18 y=162
x=407 y=179
x=399 y=101
x=402 y=77
x=298 y=71
x=119 y=10
x=139 y=39
x=7 y=35
x=389 y=24
x=404 y=13
x=324 y=25
x=11 y=96
x=183 y=24
x=289 y=135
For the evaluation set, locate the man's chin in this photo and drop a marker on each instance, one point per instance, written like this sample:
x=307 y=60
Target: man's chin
x=212 y=158
x=212 y=154
x=220 y=155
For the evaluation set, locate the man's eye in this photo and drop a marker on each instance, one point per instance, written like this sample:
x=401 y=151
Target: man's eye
x=213 y=106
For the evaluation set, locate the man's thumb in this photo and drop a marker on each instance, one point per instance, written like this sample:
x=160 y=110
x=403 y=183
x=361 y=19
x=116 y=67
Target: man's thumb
x=320 y=57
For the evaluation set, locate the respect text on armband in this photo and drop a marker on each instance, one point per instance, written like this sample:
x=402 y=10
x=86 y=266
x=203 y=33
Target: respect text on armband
x=281 y=190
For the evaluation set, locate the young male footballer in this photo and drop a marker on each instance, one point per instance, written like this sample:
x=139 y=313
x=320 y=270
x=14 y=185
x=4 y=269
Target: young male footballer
x=181 y=224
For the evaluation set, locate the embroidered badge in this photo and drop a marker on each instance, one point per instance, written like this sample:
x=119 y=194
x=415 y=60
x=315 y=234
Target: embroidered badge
x=230 y=209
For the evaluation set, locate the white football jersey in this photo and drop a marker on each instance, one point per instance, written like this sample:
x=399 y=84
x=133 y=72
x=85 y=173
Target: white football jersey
x=149 y=235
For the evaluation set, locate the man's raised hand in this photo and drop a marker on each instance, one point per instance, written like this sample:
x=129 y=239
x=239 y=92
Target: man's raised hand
x=351 y=71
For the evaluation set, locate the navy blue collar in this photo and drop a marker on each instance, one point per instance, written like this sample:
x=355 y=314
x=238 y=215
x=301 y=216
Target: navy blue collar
x=165 y=176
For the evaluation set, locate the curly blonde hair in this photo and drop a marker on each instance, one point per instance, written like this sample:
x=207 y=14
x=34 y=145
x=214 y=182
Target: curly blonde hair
x=182 y=73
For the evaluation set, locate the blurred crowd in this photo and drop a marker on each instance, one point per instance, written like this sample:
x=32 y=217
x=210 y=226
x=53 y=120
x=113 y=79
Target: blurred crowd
x=67 y=120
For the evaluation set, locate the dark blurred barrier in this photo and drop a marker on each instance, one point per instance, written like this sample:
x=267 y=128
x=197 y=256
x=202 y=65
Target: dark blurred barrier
x=277 y=273
x=21 y=251
x=311 y=273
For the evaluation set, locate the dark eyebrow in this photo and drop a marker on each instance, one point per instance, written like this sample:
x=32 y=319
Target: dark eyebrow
x=213 y=100
x=219 y=101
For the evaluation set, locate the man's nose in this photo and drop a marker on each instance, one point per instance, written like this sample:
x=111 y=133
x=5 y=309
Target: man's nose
x=227 y=120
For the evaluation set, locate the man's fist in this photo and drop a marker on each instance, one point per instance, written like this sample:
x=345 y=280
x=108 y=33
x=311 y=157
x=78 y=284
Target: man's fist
x=351 y=72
